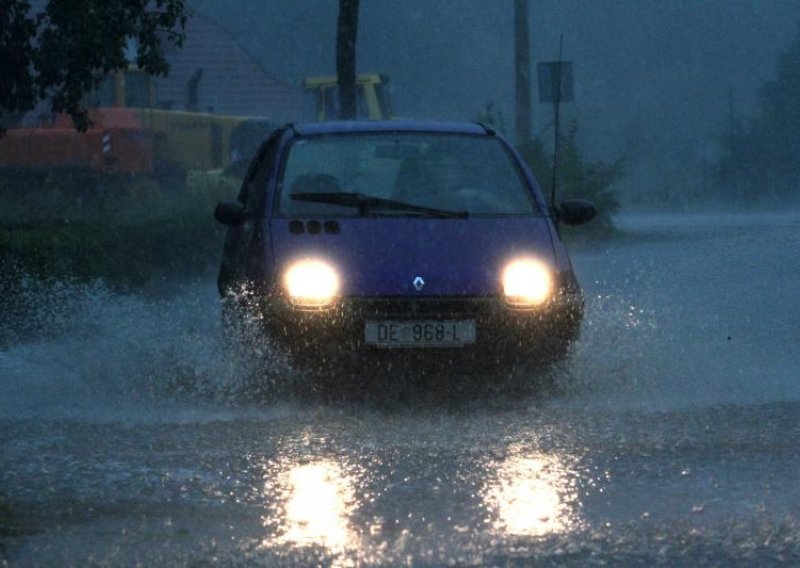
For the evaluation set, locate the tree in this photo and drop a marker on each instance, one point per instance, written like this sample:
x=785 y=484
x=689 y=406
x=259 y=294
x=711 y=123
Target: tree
x=61 y=51
x=761 y=156
x=522 y=67
x=346 y=35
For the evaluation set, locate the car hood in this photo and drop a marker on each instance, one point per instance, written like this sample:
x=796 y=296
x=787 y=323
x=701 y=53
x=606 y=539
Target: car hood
x=383 y=257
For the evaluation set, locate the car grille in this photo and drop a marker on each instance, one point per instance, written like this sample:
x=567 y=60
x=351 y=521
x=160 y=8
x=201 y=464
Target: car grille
x=414 y=308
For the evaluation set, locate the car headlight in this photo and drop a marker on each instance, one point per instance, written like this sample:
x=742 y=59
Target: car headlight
x=527 y=283
x=311 y=284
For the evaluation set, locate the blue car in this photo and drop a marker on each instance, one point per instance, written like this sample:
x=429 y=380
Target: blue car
x=363 y=241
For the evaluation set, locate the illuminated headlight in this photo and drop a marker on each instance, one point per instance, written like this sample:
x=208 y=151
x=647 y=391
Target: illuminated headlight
x=527 y=283
x=311 y=284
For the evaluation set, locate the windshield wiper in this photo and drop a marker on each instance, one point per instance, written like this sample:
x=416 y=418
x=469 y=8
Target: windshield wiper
x=365 y=202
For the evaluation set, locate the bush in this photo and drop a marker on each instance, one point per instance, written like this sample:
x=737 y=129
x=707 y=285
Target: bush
x=577 y=177
x=760 y=156
x=124 y=255
x=126 y=236
x=34 y=197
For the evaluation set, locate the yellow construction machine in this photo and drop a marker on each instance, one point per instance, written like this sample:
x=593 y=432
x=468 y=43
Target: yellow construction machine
x=372 y=97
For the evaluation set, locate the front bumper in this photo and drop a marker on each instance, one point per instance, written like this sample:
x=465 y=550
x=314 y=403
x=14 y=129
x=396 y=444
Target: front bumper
x=501 y=331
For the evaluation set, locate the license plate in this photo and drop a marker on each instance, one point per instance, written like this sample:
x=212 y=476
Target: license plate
x=419 y=333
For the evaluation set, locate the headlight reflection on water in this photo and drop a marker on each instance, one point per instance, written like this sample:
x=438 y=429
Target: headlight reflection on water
x=318 y=506
x=532 y=496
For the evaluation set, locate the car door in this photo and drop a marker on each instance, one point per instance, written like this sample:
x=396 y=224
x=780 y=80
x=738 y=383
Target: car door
x=242 y=256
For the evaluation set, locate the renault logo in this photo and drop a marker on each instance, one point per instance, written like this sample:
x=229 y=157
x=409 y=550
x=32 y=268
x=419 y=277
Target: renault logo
x=419 y=283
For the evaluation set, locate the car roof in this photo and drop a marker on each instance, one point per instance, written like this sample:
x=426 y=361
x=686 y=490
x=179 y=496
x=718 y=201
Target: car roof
x=346 y=126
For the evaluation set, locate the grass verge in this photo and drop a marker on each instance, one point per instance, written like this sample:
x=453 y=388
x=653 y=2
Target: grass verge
x=121 y=255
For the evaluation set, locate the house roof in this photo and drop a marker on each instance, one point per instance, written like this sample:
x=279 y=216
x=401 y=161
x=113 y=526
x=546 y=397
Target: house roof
x=233 y=82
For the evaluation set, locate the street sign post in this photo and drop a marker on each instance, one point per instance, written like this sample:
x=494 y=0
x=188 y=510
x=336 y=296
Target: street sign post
x=551 y=73
x=555 y=86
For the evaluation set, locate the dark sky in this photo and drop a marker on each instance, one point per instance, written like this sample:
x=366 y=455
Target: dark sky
x=653 y=77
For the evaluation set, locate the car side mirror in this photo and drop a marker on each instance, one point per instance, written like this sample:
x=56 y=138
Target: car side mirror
x=576 y=211
x=229 y=213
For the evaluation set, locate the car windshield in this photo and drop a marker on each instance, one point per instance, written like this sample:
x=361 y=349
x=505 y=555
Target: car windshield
x=449 y=172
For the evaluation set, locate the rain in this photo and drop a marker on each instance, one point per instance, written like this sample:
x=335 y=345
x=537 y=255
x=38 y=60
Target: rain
x=133 y=431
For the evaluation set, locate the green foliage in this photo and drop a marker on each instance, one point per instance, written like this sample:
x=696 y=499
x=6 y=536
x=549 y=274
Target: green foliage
x=37 y=259
x=17 y=29
x=57 y=197
x=125 y=234
x=61 y=53
x=577 y=177
x=10 y=524
x=6 y=518
x=761 y=156
x=125 y=256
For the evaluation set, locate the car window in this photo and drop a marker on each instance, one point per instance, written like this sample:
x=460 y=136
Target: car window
x=458 y=172
x=253 y=188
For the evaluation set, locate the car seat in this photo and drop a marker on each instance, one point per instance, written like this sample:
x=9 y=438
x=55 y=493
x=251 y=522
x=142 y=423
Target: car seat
x=412 y=182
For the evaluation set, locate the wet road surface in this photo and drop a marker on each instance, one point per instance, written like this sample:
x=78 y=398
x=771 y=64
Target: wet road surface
x=672 y=435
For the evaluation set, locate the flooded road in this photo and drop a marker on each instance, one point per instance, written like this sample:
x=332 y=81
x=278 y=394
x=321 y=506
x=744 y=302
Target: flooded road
x=672 y=435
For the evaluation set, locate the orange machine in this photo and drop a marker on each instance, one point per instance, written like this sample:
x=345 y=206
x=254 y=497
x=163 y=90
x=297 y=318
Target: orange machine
x=115 y=143
x=130 y=134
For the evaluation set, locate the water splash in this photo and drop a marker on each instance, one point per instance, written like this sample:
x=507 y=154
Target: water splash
x=695 y=314
x=85 y=351
x=699 y=314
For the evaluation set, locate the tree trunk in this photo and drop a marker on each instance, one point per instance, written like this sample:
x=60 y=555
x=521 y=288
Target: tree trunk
x=522 y=68
x=346 y=32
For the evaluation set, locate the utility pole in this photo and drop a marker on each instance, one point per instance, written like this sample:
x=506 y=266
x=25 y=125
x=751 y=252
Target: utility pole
x=731 y=114
x=346 y=34
x=522 y=71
